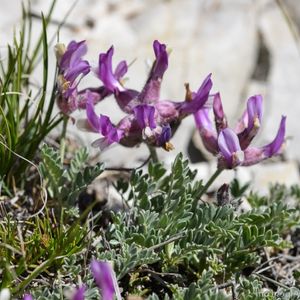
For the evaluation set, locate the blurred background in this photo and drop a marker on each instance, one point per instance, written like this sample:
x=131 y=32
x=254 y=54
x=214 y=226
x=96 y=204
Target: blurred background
x=250 y=47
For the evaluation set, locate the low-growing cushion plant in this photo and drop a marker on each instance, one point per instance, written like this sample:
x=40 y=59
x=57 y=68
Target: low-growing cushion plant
x=169 y=245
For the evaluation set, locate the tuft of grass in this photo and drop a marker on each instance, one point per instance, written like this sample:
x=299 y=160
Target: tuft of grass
x=38 y=246
x=25 y=111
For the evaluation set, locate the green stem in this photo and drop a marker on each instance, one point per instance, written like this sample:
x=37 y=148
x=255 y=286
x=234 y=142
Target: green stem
x=153 y=154
x=210 y=181
x=63 y=139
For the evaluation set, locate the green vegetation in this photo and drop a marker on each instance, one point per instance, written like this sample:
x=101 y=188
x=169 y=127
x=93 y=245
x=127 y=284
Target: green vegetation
x=25 y=109
x=169 y=241
x=165 y=238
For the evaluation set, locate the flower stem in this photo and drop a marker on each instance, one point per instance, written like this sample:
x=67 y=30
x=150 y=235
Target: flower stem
x=210 y=181
x=153 y=154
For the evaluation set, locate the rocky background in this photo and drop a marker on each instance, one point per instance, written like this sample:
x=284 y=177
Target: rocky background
x=250 y=46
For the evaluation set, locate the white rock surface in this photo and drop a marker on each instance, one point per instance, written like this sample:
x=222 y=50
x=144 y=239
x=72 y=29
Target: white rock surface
x=283 y=83
x=264 y=175
x=206 y=170
x=259 y=176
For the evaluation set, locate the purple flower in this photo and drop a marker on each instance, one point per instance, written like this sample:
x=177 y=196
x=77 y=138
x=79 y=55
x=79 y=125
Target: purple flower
x=110 y=79
x=207 y=130
x=220 y=118
x=149 y=119
x=140 y=126
x=104 y=277
x=161 y=60
x=27 y=297
x=79 y=293
x=255 y=155
x=163 y=138
x=150 y=92
x=144 y=115
x=233 y=146
x=198 y=99
x=230 y=149
x=130 y=131
x=249 y=124
x=71 y=66
x=149 y=123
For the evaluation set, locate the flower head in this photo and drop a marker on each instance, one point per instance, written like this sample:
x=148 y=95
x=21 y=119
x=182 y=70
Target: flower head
x=149 y=119
x=71 y=66
x=233 y=146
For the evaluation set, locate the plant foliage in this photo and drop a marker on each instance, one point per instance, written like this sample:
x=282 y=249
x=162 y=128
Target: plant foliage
x=25 y=110
x=65 y=184
x=168 y=245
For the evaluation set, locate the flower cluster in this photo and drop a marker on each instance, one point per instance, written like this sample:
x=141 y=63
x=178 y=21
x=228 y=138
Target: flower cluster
x=153 y=120
x=105 y=279
x=148 y=118
x=232 y=146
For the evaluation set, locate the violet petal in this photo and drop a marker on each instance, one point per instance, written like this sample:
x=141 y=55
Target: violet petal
x=103 y=275
x=124 y=99
x=275 y=146
x=167 y=110
x=251 y=121
x=207 y=131
x=165 y=136
x=105 y=72
x=161 y=62
x=254 y=109
x=229 y=146
x=198 y=100
x=220 y=118
x=145 y=116
x=79 y=294
x=108 y=130
x=92 y=117
x=74 y=51
x=121 y=69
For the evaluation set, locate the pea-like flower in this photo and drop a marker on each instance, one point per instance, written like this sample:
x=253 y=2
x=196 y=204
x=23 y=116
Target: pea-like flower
x=233 y=146
x=71 y=68
x=112 y=80
x=149 y=119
